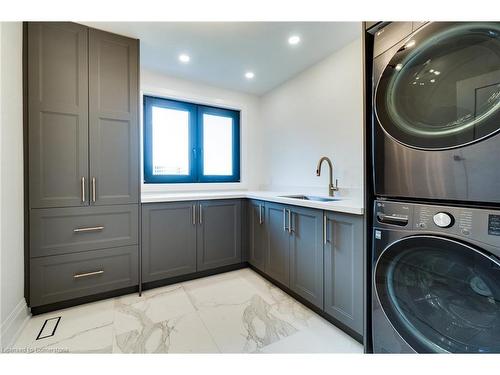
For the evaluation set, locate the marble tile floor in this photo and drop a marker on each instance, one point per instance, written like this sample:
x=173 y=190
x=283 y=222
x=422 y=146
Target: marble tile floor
x=234 y=312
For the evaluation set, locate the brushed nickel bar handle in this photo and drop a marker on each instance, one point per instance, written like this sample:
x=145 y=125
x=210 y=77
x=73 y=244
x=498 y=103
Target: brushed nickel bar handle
x=87 y=274
x=88 y=229
x=94 y=189
x=193 y=211
x=290 y=222
x=284 y=219
x=83 y=189
x=201 y=214
x=260 y=214
x=325 y=228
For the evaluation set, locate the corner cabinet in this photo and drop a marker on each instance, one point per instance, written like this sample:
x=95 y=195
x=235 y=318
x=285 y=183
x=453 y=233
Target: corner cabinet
x=344 y=276
x=83 y=161
x=180 y=238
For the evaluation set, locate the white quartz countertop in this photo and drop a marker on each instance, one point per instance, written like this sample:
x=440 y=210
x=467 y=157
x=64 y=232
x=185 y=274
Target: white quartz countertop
x=344 y=204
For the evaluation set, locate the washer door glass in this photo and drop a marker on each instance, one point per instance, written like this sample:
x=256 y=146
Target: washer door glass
x=441 y=89
x=440 y=295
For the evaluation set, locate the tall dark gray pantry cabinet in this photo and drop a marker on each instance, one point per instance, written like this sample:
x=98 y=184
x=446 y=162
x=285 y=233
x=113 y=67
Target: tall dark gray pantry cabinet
x=83 y=162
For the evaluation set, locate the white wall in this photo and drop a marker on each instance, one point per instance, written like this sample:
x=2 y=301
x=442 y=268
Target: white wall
x=13 y=311
x=319 y=112
x=156 y=84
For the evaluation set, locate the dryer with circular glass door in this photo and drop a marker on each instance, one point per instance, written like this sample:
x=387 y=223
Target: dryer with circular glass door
x=436 y=112
x=436 y=279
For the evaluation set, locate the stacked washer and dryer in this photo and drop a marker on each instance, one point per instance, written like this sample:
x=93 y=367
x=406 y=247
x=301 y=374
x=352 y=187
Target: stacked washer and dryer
x=436 y=173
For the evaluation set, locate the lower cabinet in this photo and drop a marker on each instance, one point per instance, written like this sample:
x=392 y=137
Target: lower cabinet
x=277 y=263
x=218 y=234
x=294 y=251
x=306 y=254
x=317 y=254
x=179 y=238
x=81 y=251
x=63 y=277
x=257 y=234
x=344 y=269
x=168 y=240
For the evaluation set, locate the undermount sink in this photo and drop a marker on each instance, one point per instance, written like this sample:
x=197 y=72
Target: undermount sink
x=312 y=198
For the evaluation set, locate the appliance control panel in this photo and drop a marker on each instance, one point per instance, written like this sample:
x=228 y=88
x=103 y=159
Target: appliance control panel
x=393 y=213
x=494 y=225
x=474 y=224
x=453 y=219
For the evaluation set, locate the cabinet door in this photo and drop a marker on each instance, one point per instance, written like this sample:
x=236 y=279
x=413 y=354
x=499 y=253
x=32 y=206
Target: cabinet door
x=278 y=242
x=306 y=254
x=168 y=240
x=219 y=233
x=58 y=114
x=113 y=111
x=344 y=269
x=257 y=234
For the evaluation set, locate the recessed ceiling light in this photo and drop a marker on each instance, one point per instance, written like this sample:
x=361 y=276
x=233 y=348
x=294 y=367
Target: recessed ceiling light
x=293 y=40
x=249 y=75
x=184 y=58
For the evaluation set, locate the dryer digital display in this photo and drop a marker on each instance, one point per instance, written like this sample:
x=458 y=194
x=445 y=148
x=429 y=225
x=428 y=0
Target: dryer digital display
x=494 y=225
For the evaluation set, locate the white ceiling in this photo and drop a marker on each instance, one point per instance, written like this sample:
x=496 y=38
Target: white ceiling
x=221 y=52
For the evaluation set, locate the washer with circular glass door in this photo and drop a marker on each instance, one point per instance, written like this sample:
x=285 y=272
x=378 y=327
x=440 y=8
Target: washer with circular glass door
x=436 y=279
x=436 y=112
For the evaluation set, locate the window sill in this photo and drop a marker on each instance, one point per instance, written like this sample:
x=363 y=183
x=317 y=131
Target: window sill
x=203 y=186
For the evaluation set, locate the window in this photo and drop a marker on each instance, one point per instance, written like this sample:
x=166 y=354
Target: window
x=186 y=142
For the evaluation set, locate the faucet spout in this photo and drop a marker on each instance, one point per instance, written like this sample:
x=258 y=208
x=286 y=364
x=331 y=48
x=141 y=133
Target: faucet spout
x=331 y=187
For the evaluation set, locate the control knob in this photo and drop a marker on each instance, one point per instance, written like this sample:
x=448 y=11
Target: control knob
x=443 y=220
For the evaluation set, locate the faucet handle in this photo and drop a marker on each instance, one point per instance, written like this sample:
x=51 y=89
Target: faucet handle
x=336 y=188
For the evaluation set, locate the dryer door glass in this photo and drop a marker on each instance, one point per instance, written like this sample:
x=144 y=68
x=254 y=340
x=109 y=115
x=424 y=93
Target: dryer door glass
x=441 y=89
x=440 y=295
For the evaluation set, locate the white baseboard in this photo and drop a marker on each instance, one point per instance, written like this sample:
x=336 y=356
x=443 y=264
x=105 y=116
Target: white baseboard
x=12 y=326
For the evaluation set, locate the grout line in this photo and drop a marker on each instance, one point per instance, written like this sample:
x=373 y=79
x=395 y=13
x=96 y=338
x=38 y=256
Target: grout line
x=197 y=312
x=208 y=331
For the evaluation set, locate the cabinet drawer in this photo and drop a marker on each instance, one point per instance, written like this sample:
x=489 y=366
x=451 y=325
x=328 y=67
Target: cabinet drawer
x=68 y=230
x=63 y=277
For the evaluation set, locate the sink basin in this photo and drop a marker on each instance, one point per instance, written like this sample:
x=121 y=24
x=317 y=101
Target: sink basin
x=312 y=198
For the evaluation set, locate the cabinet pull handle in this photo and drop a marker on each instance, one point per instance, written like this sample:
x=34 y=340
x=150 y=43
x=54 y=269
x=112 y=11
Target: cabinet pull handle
x=290 y=230
x=83 y=189
x=87 y=274
x=194 y=214
x=201 y=214
x=284 y=219
x=88 y=229
x=325 y=228
x=93 y=189
x=260 y=214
